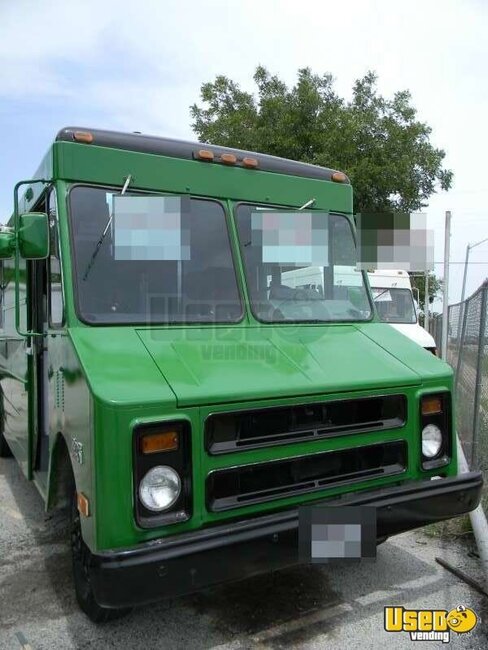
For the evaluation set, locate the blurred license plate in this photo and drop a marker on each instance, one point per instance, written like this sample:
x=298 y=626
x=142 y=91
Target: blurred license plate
x=332 y=533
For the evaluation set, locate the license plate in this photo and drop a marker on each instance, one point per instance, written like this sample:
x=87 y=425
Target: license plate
x=336 y=534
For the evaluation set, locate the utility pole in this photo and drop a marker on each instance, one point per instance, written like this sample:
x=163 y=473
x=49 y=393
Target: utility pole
x=445 y=288
x=468 y=250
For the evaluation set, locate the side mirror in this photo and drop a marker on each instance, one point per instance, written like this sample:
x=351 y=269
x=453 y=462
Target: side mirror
x=7 y=243
x=34 y=236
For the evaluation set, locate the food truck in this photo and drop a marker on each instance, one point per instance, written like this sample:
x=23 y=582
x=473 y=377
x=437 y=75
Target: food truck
x=165 y=384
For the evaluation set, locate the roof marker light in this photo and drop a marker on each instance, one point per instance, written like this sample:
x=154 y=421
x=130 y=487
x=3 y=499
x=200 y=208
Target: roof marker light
x=205 y=154
x=339 y=177
x=83 y=136
x=228 y=158
x=250 y=162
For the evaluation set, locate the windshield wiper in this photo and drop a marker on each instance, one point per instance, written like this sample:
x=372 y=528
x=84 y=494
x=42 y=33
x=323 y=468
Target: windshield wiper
x=105 y=230
x=380 y=294
x=307 y=204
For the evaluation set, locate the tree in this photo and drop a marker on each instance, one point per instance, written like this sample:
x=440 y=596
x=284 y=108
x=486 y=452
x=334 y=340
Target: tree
x=378 y=142
x=435 y=286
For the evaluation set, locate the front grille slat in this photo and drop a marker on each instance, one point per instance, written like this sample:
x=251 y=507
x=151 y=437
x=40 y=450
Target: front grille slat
x=242 y=430
x=246 y=484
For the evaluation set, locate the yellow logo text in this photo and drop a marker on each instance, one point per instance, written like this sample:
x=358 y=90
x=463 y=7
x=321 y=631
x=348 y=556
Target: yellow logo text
x=430 y=624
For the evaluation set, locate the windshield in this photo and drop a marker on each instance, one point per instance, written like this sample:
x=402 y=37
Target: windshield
x=300 y=266
x=394 y=305
x=161 y=260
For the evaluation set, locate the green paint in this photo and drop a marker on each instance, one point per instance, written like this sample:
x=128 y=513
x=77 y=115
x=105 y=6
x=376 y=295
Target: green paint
x=33 y=236
x=102 y=381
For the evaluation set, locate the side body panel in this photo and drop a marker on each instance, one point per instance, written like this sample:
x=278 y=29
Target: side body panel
x=71 y=418
x=16 y=368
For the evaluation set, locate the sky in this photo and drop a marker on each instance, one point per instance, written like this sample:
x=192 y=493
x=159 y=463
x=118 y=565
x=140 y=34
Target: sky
x=139 y=66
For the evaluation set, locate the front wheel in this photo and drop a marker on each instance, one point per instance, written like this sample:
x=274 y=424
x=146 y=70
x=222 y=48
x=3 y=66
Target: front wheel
x=81 y=559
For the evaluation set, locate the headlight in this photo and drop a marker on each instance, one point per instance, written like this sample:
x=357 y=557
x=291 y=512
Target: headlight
x=160 y=488
x=431 y=440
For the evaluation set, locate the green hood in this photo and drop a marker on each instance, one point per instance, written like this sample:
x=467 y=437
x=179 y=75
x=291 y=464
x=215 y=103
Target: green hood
x=208 y=366
x=201 y=366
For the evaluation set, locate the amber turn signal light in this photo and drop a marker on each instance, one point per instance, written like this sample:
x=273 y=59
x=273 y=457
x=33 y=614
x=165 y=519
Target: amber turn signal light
x=83 y=504
x=83 y=136
x=152 y=443
x=431 y=405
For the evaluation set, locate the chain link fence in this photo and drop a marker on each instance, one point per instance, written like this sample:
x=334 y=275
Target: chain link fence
x=467 y=353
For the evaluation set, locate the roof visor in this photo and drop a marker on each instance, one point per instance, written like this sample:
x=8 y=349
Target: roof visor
x=186 y=150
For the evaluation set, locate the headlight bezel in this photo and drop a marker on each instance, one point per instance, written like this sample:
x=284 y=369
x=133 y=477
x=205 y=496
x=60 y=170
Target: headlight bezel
x=178 y=459
x=442 y=420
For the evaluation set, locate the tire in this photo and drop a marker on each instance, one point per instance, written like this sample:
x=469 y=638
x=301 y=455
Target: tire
x=80 y=554
x=381 y=540
x=4 y=448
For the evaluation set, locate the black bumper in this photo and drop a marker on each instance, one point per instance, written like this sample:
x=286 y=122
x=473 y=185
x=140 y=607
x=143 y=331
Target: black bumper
x=189 y=562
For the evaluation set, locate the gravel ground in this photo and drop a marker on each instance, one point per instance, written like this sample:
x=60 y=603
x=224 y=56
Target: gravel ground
x=304 y=607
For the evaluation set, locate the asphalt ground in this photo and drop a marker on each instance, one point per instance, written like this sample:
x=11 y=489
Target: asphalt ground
x=317 y=606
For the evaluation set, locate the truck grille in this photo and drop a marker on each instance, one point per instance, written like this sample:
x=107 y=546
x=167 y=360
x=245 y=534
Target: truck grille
x=247 y=484
x=230 y=432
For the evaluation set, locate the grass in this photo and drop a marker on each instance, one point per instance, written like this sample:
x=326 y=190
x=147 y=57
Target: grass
x=460 y=527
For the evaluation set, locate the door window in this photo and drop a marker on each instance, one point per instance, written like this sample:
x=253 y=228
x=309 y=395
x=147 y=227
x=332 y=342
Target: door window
x=56 y=302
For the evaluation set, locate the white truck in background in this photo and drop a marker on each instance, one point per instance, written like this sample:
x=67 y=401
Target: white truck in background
x=391 y=289
x=394 y=300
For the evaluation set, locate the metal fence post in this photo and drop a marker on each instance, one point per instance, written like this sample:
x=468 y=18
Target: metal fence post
x=461 y=337
x=439 y=334
x=446 y=358
x=479 y=374
x=445 y=285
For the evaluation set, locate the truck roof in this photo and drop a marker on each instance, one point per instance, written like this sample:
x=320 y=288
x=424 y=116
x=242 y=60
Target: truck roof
x=389 y=273
x=188 y=150
x=388 y=278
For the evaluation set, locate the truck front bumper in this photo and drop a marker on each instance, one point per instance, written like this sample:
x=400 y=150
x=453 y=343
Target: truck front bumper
x=189 y=562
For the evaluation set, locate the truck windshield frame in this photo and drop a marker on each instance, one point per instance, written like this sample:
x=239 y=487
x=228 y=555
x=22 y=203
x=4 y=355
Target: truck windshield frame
x=208 y=293
x=395 y=297
x=316 y=299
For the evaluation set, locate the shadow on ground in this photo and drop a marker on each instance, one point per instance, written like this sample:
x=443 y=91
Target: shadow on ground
x=36 y=595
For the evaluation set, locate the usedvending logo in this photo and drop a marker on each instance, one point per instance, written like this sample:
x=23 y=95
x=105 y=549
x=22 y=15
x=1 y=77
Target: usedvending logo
x=430 y=624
